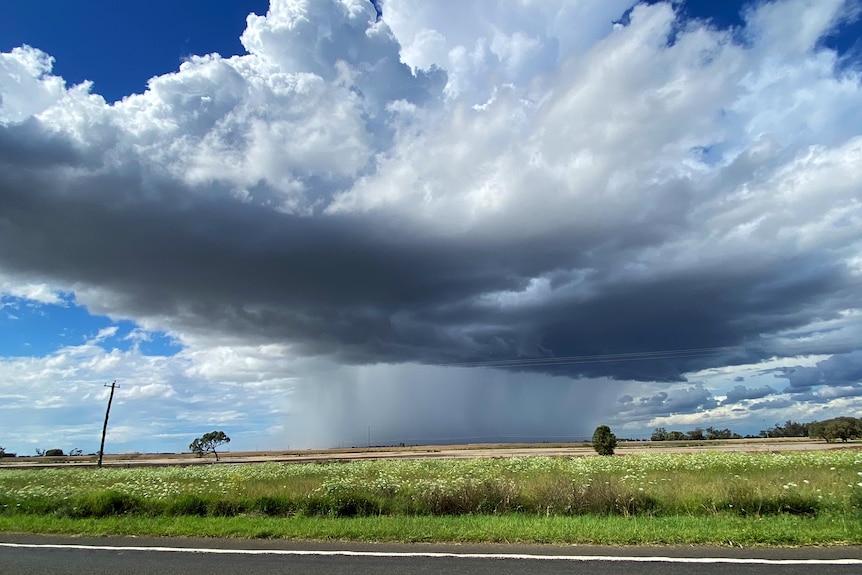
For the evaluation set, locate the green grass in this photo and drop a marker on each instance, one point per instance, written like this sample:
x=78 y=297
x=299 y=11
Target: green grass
x=716 y=498
x=512 y=528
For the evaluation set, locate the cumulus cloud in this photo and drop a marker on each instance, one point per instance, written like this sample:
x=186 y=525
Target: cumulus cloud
x=60 y=398
x=772 y=404
x=523 y=181
x=840 y=370
x=692 y=399
x=740 y=392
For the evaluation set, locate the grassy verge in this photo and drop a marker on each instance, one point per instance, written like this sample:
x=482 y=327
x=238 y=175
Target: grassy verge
x=604 y=530
x=709 y=498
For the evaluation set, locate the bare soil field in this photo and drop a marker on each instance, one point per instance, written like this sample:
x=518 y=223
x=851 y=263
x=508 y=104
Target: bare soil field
x=430 y=451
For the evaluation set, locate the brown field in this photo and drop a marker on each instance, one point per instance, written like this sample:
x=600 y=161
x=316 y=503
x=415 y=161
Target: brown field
x=430 y=451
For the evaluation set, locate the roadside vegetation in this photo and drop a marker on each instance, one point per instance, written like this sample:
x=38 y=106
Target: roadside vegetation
x=712 y=497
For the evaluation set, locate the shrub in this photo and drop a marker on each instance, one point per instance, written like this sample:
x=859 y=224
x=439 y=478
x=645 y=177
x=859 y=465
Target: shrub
x=604 y=442
x=274 y=506
x=106 y=503
x=746 y=501
x=343 y=505
x=225 y=508
x=187 y=504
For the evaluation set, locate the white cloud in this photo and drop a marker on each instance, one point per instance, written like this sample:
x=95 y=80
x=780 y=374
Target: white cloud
x=361 y=200
x=26 y=84
x=40 y=293
x=779 y=33
x=487 y=44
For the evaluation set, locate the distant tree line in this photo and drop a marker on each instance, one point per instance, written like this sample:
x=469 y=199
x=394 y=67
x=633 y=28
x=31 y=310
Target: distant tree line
x=838 y=428
x=696 y=434
x=789 y=429
x=44 y=453
x=843 y=428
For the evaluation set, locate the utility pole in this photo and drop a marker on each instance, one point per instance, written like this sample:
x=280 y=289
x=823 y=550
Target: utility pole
x=105 y=427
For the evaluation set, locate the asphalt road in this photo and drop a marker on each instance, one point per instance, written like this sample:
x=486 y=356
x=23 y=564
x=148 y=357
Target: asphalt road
x=33 y=555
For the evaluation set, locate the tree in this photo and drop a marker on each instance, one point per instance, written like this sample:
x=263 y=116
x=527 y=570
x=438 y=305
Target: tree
x=712 y=433
x=659 y=434
x=604 y=441
x=208 y=442
x=842 y=428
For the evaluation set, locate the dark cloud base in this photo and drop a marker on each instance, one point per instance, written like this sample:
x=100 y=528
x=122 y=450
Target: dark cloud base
x=375 y=291
x=643 y=261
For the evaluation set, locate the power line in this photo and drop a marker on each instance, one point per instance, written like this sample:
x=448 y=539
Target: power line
x=598 y=358
x=789 y=348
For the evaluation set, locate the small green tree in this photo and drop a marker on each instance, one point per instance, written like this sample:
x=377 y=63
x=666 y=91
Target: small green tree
x=604 y=442
x=208 y=442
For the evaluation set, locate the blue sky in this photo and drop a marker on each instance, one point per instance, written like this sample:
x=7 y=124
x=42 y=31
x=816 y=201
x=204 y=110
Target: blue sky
x=37 y=329
x=120 y=47
x=519 y=223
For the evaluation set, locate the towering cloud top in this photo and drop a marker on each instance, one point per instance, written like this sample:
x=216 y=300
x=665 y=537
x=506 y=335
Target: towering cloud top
x=451 y=183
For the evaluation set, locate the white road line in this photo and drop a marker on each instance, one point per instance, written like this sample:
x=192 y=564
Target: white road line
x=430 y=555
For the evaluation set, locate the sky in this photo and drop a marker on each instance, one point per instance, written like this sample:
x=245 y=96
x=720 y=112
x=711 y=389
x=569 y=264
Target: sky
x=323 y=223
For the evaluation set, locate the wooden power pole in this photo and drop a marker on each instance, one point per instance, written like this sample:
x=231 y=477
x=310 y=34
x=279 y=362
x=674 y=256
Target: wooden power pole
x=105 y=427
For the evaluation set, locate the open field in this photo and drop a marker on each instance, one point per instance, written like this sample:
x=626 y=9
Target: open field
x=434 y=451
x=751 y=495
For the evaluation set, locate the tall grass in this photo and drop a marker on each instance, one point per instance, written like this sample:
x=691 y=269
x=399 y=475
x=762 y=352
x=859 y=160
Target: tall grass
x=711 y=484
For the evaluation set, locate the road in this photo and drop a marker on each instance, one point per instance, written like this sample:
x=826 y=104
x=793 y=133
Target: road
x=35 y=555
